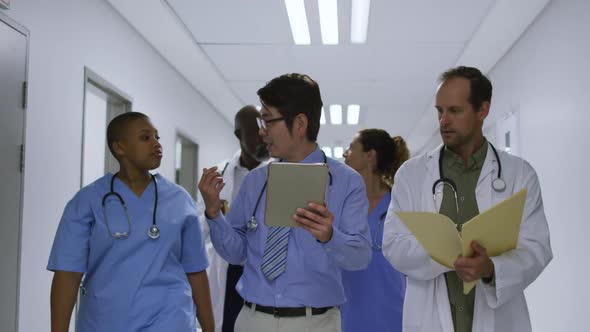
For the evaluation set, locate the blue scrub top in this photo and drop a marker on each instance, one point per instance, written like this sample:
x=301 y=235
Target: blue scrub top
x=374 y=296
x=135 y=283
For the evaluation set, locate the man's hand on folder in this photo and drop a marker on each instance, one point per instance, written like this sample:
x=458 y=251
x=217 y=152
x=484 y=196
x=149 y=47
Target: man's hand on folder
x=317 y=220
x=476 y=267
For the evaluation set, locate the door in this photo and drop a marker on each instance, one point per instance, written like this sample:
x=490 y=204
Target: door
x=13 y=59
x=187 y=154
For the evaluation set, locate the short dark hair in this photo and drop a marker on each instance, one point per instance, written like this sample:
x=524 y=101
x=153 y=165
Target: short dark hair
x=246 y=113
x=391 y=152
x=480 y=85
x=294 y=94
x=118 y=125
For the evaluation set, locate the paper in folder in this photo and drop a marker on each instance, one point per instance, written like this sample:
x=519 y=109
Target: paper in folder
x=495 y=229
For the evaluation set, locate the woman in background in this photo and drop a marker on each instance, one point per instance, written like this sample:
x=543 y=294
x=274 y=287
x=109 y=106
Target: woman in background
x=375 y=296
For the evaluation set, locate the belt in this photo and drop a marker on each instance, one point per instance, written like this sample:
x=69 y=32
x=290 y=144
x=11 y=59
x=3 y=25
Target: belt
x=286 y=311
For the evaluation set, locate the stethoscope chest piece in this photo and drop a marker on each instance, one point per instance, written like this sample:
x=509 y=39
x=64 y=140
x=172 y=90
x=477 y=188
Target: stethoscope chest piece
x=154 y=232
x=253 y=224
x=498 y=184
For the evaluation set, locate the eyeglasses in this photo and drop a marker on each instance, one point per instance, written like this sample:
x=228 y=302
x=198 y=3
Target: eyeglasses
x=263 y=123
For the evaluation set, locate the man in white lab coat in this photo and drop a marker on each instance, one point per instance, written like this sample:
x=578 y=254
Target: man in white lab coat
x=482 y=177
x=226 y=302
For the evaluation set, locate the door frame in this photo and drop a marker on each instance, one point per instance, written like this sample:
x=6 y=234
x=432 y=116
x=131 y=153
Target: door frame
x=188 y=138
x=98 y=81
x=4 y=18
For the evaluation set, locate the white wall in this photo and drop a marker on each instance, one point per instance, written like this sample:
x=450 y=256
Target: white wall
x=65 y=36
x=545 y=78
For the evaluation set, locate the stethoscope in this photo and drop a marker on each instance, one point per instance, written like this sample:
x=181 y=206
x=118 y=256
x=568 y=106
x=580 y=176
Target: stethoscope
x=252 y=224
x=153 y=231
x=498 y=183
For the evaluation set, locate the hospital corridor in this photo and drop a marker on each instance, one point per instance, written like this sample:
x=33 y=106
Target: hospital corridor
x=106 y=231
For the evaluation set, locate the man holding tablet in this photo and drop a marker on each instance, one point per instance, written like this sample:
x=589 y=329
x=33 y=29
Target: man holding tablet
x=292 y=276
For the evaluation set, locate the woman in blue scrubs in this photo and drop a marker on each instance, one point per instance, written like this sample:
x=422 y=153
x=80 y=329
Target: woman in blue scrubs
x=375 y=296
x=137 y=277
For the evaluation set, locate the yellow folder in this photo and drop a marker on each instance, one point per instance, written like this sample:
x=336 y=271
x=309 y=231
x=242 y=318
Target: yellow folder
x=495 y=229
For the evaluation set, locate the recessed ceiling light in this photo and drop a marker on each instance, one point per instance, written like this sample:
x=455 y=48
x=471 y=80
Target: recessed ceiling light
x=352 y=114
x=298 y=21
x=329 y=21
x=359 y=21
x=336 y=114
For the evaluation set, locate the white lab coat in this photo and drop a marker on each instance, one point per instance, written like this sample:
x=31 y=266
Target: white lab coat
x=217 y=270
x=501 y=308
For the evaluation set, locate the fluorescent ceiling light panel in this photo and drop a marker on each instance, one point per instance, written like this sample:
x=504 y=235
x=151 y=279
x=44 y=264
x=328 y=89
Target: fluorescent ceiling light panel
x=298 y=21
x=323 y=117
x=328 y=151
x=338 y=152
x=336 y=114
x=352 y=115
x=329 y=21
x=359 y=21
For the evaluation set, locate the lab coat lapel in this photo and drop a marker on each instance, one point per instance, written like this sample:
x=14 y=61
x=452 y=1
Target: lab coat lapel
x=440 y=288
x=433 y=175
x=228 y=177
x=483 y=190
x=483 y=318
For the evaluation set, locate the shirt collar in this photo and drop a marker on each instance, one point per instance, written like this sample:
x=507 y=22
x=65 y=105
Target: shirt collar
x=475 y=162
x=316 y=156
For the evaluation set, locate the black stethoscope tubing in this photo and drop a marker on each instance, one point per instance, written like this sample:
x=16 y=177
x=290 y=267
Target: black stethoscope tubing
x=378 y=227
x=153 y=231
x=498 y=184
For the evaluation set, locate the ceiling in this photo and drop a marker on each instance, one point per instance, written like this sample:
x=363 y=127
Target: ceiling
x=228 y=49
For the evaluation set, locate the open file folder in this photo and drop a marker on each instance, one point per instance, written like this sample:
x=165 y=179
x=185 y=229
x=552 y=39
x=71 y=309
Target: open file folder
x=495 y=229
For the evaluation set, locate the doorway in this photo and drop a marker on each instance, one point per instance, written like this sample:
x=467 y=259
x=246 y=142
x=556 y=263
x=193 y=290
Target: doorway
x=186 y=161
x=13 y=97
x=102 y=103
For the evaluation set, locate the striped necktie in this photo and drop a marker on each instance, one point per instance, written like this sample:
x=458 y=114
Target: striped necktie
x=274 y=259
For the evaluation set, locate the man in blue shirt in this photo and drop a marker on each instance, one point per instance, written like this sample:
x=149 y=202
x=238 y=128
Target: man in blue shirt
x=292 y=276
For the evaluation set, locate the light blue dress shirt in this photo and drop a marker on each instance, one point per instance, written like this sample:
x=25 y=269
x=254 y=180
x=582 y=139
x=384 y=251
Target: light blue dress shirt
x=137 y=283
x=375 y=296
x=313 y=273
